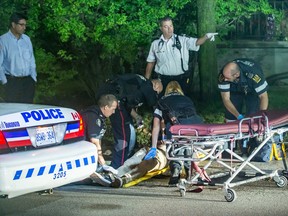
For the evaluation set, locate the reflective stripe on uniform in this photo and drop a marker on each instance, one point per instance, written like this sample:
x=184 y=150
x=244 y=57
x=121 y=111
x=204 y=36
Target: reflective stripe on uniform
x=224 y=86
x=158 y=112
x=261 y=87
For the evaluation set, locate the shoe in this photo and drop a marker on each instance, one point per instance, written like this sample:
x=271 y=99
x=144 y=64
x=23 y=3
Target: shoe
x=175 y=177
x=117 y=182
x=103 y=180
x=173 y=181
x=126 y=179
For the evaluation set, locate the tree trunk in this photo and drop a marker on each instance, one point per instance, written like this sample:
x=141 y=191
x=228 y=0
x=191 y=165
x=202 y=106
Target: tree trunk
x=207 y=54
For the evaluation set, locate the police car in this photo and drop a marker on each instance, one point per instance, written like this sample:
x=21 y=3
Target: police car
x=42 y=147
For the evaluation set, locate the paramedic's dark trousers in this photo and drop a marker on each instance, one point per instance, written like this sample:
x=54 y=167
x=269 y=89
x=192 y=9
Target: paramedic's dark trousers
x=177 y=165
x=19 y=89
x=183 y=81
x=124 y=136
x=252 y=104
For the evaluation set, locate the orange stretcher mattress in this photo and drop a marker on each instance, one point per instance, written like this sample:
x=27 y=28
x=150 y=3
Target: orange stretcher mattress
x=257 y=122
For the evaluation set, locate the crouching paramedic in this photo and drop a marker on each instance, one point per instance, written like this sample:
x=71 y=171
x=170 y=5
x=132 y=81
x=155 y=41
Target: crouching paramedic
x=131 y=90
x=174 y=108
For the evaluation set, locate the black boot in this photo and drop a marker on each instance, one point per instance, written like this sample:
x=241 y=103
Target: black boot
x=175 y=176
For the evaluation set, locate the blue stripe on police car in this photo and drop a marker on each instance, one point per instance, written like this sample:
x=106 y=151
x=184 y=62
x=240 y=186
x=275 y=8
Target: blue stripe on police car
x=34 y=172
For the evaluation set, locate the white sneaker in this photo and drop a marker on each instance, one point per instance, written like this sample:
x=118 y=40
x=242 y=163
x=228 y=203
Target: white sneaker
x=100 y=179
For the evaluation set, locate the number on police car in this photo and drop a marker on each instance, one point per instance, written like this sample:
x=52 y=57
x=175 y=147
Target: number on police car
x=59 y=175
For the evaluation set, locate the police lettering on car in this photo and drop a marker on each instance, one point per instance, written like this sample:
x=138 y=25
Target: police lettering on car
x=45 y=114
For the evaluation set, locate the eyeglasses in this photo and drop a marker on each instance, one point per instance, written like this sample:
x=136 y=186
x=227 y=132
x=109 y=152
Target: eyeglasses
x=22 y=24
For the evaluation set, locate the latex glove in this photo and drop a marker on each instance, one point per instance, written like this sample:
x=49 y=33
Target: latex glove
x=151 y=154
x=211 y=36
x=139 y=122
x=240 y=116
x=110 y=169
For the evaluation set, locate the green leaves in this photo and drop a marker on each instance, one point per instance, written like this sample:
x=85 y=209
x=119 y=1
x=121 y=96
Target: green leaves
x=101 y=37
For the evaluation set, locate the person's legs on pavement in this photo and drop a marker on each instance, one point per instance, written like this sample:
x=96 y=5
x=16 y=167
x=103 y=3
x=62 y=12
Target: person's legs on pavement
x=137 y=171
x=132 y=162
x=175 y=169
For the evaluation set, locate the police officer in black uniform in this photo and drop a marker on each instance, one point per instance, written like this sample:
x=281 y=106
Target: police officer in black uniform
x=131 y=90
x=174 y=108
x=240 y=82
x=94 y=122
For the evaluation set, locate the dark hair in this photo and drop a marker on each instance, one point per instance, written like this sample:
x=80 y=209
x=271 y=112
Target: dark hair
x=166 y=18
x=15 y=17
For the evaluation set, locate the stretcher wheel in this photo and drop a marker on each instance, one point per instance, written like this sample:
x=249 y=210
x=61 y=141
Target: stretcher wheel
x=182 y=192
x=230 y=195
x=282 y=182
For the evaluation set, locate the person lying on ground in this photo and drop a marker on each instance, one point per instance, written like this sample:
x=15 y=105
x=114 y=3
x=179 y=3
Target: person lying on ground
x=133 y=168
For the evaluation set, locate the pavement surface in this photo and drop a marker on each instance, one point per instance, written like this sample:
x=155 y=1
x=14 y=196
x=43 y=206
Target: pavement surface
x=154 y=197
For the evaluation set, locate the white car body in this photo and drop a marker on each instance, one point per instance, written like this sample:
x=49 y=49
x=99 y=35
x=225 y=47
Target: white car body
x=42 y=147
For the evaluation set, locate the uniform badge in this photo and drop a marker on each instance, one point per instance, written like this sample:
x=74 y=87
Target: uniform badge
x=256 y=78
x=98 y=122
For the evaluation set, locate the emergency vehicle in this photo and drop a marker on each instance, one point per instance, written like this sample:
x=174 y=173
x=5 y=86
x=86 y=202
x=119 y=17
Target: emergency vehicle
x=42 y=147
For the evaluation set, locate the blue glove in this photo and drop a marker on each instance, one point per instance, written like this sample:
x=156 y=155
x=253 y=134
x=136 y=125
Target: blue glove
x=240 y=116
x=151 y=154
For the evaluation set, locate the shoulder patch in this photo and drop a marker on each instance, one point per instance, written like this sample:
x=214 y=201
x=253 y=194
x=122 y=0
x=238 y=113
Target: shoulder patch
x=256 y=78
x=98 y=122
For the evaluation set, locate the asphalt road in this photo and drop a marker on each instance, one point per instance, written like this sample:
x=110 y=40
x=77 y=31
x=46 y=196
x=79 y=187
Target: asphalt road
x=152 y=197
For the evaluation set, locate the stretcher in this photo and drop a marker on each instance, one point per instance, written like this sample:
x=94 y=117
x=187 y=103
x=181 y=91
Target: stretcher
x=220 y=139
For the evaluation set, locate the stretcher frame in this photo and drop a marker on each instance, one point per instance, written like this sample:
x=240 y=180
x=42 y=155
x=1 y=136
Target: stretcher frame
x=220 y=138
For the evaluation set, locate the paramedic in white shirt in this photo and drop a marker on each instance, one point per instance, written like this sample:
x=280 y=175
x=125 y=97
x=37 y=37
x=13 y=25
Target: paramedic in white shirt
x=170 y=55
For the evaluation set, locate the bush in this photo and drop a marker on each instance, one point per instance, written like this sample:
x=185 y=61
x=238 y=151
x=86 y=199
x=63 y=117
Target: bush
x=51 y=74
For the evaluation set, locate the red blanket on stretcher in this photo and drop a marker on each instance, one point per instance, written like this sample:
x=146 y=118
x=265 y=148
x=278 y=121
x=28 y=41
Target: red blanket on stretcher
x=276 y=119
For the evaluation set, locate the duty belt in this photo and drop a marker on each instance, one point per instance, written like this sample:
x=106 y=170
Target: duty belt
x=185 y=116
x=180 y=76
x=15 y=77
